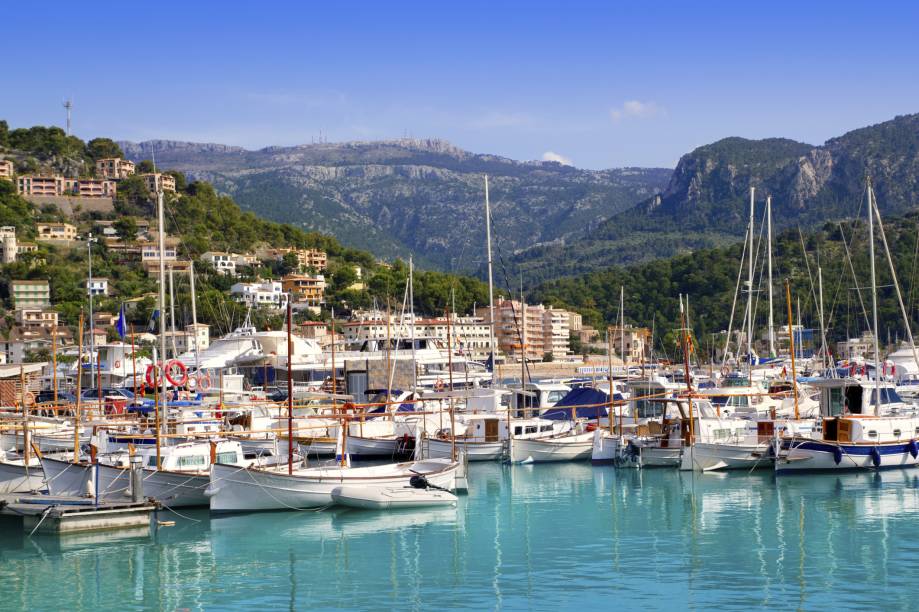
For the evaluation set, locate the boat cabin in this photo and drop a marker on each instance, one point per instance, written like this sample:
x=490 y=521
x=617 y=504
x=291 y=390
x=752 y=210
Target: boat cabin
x=536 y=397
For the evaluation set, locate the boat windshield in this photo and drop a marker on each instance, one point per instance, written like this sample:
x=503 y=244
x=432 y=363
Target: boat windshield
x=888 y=396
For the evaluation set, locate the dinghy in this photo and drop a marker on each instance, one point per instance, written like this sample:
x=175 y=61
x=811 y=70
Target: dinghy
x=390 y=498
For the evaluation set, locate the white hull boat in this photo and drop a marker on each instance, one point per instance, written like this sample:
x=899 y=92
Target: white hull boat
x=705 y=456
x=475 y=451
x=235 y=489
x=373 y=447
x=66 y=478
x=172 y=489
x=17 y=477
x=390 y=498
x=569 y=447
x=605 y=448
x=318 y=447
x=653 y=455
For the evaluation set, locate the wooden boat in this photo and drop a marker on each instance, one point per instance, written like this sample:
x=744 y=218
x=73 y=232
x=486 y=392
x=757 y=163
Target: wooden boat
x=566 y=447
x=235 y=489
x=19 y=476
x=386 y=498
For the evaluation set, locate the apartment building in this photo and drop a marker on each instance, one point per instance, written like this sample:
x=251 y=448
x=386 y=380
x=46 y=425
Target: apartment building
x=154 y=181
x=36 y=317
x=98 y=286
x=8 y=248
x=89 y=188
x=114 y=168
x=56 y=232
x=533 y=331
x=223 y=263
x=635 y=341
x=6 y=169
x=40 y=185
x=264 y=294
x=305 y=289
x=30 y=185
x=151 y=253
x=306 y=258
x=30 y=294
x=470 y=334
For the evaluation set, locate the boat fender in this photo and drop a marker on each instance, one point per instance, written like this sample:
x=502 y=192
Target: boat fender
x=418 y=482
x=876 y=457
x=837 y=454
x=913 y=448
x=117 y=364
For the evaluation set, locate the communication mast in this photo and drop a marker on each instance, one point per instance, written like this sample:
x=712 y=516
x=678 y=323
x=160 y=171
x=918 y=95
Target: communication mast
x=68 y=104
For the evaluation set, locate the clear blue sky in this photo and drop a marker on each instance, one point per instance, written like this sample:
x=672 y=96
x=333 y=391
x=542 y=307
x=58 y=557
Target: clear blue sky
x=601 y=84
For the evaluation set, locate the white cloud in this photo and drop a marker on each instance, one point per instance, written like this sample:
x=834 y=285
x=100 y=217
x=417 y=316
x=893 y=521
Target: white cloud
x=552 y=156
x=636 y=109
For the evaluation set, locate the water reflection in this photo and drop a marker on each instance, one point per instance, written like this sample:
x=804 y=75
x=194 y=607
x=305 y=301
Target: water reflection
x=548 y=536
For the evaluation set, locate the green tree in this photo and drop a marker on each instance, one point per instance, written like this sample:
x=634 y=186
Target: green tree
x=126 y=228
x=101 y=148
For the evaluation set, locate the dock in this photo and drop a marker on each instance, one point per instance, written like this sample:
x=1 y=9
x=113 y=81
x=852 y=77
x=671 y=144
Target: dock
x=64 y=515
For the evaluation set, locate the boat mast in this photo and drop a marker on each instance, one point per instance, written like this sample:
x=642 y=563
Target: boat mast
x=411 y=307
x=161 y=405
x=194 y=309
x=622 y=331
x=874 y=301
x=769 y=256
x=491 y=284
x=76 y=410
x=823 y=346
x=791 y=339
x=92 y=320
x=684 y=331
x=290 y=386
x=750 y=293
x=172 y=314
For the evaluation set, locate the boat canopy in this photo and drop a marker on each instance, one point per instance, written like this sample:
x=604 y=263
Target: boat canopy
x=581 y=396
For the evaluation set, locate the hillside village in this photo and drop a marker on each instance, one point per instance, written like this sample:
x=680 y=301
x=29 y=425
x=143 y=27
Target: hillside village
x=60 y=213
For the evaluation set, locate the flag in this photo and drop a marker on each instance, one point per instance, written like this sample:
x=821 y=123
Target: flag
x=121 y=326
x=151 y=326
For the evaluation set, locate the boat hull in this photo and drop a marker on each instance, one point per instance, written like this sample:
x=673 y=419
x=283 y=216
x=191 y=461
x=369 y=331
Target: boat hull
x=577 y=447
x=234 y=489
x=65 y=478
x=475 y=451
x=706 y=457
x=605 y=448
x=172 y=489
x=16 y=477
x=391 y=498
x=819 y=456
x=373 y=447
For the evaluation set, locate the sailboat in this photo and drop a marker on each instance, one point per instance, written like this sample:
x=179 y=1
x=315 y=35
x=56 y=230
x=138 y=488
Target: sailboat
x=866 y=425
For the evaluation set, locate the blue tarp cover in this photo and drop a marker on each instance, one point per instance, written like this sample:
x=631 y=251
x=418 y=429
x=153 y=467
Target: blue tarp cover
x=583 y=396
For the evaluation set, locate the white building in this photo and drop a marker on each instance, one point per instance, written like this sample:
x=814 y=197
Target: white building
x=151 y=253
x=223 y=263
x=8 y=249
x=470 y=335
x=98 y=286
x=266 y=294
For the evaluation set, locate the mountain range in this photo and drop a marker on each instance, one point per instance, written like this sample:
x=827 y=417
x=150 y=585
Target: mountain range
x=426 y=196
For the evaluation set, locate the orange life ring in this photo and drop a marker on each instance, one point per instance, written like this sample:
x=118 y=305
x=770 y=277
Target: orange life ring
x=204 y=381
x=117 y=364
x=152 y=377
x=440 y=385
x=179 y=381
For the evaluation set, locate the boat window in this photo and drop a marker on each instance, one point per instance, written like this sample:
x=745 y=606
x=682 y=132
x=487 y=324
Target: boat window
x=646 y=409
x=192 y=461
x=519 y=430
x=872 y=434
x=897 y=432
x=545 y=428
x=151 y=460
x=836 y=401
x=531 y=429
x=227 y=457
x=888 y=396
x=554 y=396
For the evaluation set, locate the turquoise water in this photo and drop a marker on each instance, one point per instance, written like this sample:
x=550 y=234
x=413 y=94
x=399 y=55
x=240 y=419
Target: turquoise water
x=565 y=536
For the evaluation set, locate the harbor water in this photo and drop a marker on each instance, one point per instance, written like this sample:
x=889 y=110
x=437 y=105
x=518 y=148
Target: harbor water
x=544 y=537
